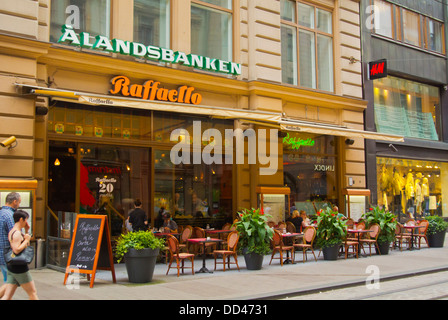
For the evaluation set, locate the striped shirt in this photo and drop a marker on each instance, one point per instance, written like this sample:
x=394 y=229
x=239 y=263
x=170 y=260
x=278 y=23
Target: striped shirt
x=6 y=224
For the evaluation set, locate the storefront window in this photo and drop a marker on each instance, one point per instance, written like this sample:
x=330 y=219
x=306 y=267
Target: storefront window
x=195 y=194
x=412 y=188
x=309 y=165
x=99 y=122
x=211 y=29
x=412 y=105
x=310 y=62
x=92 y=16
x=152 y=22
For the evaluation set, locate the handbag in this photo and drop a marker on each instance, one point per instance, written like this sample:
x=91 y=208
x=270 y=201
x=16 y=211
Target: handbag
x=23 y=258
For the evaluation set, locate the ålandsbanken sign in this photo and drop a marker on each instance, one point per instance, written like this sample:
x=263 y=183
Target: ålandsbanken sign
x=140 y=50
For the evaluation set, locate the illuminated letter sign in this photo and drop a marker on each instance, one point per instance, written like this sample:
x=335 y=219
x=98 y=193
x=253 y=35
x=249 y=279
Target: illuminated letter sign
x=296 y=143
x=378 y=69
x=150 y=90
x=142 y=51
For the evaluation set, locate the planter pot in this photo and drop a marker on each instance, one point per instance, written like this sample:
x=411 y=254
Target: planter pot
x=140 y=264
x=384 y=248
x=436 y=240
x=331 y=253
x=254 y=261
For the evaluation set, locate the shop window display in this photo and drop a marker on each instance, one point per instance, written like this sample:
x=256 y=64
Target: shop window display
x=412 y=189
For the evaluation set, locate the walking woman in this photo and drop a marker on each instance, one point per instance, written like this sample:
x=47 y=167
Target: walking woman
x=19 y=275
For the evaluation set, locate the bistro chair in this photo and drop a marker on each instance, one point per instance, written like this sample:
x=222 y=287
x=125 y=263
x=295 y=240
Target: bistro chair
x=173 y=245
x=351 y=244
x=200 y=233
x=421 y=233
x=372 y=238
x=278 y=246
x=186 y=234
x=232 y=243
x=401 y=237
x=350 y=223
x=308 y=239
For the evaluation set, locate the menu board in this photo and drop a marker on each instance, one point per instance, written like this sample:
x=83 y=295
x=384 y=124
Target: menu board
x=90 y=248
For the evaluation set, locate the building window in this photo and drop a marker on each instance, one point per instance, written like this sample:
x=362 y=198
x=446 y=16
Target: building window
x=412 y=188
x=92 y=16
x=409 y=27
x=307 y=45
x=211 y=28
x=415 y=106
x=152 y=22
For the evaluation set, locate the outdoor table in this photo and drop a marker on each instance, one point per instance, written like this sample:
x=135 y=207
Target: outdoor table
x=204 y=241
x=412 y=228
x=359 y=231
x=289 y=235
x=165 y=234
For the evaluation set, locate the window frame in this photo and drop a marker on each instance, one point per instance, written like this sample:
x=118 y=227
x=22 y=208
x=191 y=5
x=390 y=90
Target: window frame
x=398 y=32
x=168 y=32
x=213 y=7
x=315 y=31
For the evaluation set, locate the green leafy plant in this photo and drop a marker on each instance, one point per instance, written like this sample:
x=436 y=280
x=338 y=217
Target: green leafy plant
x=137 y=240
x=255 y=234
x=436 y=225
x=385 y=219
x=331 y=230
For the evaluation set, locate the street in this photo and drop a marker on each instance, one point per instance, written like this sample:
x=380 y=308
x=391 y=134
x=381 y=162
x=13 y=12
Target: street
x=432 y=286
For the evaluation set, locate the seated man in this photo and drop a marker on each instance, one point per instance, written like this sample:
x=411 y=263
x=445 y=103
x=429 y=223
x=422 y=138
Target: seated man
x=169 y=225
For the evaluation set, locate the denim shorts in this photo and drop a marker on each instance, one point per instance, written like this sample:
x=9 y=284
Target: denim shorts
x=19 y=278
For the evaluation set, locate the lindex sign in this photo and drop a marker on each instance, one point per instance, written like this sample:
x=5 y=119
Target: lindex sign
x=378 y=69
x=142 y=51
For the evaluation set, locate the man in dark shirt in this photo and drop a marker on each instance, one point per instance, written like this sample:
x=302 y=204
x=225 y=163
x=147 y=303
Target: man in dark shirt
x=138 y=218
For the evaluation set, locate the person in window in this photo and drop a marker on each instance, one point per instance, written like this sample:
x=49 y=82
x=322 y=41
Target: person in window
x=169 y=225
x=138 y=218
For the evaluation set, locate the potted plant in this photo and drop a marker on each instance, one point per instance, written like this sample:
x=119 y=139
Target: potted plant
x=436 y=231
x=331 y=232
x=139 y=250
x=255 y=236
x=387 y=222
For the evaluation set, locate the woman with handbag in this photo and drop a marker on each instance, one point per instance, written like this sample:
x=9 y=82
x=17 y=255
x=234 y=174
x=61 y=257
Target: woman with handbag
x=18 y=257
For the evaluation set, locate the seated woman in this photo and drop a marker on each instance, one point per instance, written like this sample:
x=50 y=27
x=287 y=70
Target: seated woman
x=296 y=220
x=305 y=220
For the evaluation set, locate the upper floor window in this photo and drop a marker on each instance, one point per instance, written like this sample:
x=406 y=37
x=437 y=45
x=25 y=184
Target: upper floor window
x=211 y=28
x=152 y=22
x=307 y=45
x=407 y=26
x=92 y=16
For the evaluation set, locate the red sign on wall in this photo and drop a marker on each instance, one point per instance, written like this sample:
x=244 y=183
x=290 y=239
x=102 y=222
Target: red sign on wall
x=377 y=69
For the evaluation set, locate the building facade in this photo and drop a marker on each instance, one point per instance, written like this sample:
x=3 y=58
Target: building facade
x=407 y=177
x=93 y=91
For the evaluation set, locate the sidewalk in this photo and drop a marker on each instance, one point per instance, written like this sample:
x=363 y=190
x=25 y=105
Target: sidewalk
x=269 y=282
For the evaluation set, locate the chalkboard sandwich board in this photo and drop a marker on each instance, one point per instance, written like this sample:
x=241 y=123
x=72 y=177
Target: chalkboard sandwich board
x=90 y=248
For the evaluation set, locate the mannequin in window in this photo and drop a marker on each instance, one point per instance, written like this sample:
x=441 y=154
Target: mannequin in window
x=386 y=183
x=418 y=197
x=425 y=195
x=410 y=194
x=397 y=191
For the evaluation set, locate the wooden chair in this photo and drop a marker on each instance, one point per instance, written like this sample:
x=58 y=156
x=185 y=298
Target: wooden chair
x=173 y=245
x=351 y=244
x=186 y=234
x=372 y=238
x=401 y=237
x=421 y=233
x=232 y=243
x=278 y=246
x=308 y=239
x=200 y=233
x=290 y=227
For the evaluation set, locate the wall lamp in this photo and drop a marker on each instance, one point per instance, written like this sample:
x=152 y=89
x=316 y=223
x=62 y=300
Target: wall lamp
x=9 y=143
